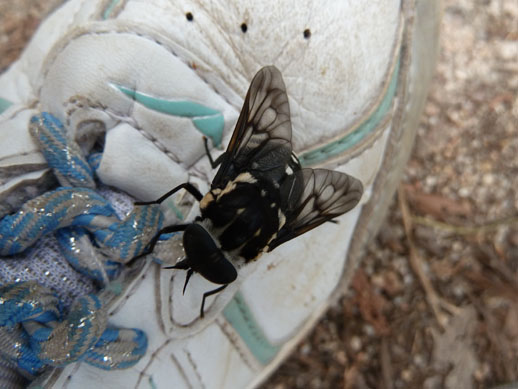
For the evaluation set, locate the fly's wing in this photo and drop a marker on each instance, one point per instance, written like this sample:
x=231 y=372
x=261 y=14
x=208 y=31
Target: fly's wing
x=311 y=197
x=261 y=142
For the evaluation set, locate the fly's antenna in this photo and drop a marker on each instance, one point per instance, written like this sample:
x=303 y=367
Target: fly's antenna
x=184 y=264
x=187 y=278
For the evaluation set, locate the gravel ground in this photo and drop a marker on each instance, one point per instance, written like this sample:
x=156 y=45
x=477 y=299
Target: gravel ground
x=435 y=301
x=18 y=21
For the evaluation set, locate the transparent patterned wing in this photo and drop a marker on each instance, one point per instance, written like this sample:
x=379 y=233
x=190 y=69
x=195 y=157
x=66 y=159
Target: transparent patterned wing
x=312 y=197
x=261 y=142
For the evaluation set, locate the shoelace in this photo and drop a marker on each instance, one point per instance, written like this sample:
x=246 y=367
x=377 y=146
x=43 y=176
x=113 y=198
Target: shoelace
x=35 y=330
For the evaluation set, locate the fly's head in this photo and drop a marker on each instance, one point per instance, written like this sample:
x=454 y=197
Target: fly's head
x=203 y=256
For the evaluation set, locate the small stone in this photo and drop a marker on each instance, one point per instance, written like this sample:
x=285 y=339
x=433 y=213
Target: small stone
x=408 y=279
x=419 y=360
x=432 y=382
x=464 y=192
x=459 y=290
x=507 y=49
x=456 y=246
x=341 y=358
x=488 y=179
x=407 y=375
x=369 y=330
x=431 y=181
x=482 y=372
x=305 y=349
x=356 y=343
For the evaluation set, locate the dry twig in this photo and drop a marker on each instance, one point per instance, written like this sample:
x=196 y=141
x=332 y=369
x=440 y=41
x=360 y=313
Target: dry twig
x=386 y=365
x=465 y=230
x=416 y=262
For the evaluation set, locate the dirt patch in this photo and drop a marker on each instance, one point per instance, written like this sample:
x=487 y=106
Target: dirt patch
x=18 y=21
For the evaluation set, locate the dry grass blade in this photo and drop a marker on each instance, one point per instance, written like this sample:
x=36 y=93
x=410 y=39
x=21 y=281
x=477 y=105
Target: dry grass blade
x=416 y=262
x=466 y=230
x=386 y=365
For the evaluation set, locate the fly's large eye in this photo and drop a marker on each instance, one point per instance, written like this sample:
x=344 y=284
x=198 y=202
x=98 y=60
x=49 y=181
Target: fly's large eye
x=198 y=243
x=205 y=257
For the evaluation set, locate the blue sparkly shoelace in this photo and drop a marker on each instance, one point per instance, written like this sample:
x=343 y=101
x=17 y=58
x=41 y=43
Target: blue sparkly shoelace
x=36 y=331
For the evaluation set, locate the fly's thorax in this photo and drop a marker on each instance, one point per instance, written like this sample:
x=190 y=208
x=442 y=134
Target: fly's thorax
x=216 y=193
x=243 y=217
x=209 y=198
x=246 y=178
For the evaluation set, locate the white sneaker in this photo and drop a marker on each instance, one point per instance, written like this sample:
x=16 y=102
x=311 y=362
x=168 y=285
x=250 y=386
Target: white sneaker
x=148 y=79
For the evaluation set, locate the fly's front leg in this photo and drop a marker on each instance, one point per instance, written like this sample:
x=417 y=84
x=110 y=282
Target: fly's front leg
x=186 y=185
x=218 y=160
x=152 y=243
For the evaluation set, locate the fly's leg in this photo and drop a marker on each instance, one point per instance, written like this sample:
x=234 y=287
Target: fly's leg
x=152 y=243
x=183 y=265
x=186 y=185
x=207 y=294
x=218 y=160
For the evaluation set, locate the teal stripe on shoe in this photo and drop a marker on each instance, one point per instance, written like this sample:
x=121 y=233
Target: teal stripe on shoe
x=242 y=320
x=4 y=104
x=208 y=121
x=335 y=148
x=109 y=9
